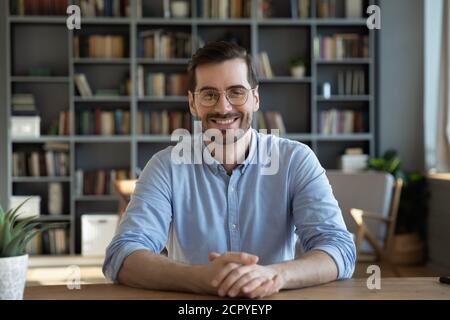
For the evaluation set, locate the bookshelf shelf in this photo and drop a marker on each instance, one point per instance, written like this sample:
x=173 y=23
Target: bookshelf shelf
x=344 y=98
x=30 y=79
x=45 y=217
x=100 y=61
x=41 y=179
x=297 y=100
x=95 y=198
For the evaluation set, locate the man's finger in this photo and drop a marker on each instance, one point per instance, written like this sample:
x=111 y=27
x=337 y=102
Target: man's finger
x=247 y=272
x=223 y=273
x=241 y=257
x=213 y=255
x=261 y=290
x=252 y=285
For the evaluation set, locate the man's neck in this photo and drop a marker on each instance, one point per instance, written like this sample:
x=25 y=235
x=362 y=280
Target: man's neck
x=231 y=155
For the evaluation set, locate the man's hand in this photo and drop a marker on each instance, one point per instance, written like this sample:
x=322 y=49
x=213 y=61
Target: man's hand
x=252 y=281
x=223 y=265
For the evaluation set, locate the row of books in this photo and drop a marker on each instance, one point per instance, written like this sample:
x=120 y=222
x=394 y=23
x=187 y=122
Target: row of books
x=328 y=8
x=54 y=242
x=341 y=46
x=84 y=89
x=98 y=182
x=104 y=8
x=51 y=161
x=336 y=121
x=99 y=46
x=39 y=7
x=162 y=122
x=351 y=82
x=161 y=44
x=271 y=120
x=61 y=125
x=98 y=122
x=160 y=84
x=300 y=9
x=224 y=8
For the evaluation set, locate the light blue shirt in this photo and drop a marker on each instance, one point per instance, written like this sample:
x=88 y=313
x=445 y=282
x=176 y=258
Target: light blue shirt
x=193 y=209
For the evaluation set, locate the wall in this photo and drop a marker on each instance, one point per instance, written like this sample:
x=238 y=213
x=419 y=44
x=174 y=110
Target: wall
x=3 y=123
x=400 y=73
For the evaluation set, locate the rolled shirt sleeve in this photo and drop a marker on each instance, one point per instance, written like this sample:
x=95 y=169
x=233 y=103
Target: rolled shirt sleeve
x=145 y=224
x=317 y=216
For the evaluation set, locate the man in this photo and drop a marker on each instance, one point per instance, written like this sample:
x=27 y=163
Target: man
x=230 y=229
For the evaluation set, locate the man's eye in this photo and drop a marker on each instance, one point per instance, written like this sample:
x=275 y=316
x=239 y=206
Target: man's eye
x=208 y=95
x=236 y=92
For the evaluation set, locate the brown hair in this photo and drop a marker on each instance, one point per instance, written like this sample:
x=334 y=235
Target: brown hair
x=217 y=52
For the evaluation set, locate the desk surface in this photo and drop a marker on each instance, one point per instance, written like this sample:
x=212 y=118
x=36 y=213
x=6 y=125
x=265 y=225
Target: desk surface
x=353 y=289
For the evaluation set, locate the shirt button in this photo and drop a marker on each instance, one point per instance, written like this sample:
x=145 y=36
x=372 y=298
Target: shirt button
x=232 y=189
x=233 y=226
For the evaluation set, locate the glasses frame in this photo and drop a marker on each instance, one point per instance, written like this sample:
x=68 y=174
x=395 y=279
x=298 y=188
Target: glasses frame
x=195 y=93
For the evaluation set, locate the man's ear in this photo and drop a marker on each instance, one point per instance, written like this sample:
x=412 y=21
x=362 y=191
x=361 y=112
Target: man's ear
x=256 y=97
x=192 y=107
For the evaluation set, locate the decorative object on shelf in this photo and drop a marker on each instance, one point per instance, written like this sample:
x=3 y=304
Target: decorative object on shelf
x=179 y=8
x=297 y=67
x=353 y=160
x=97 y=231
x=25 y=127
x=55 y=198
x=326 y=90
x=13 y=260
x=413 y=209
x=30 y=208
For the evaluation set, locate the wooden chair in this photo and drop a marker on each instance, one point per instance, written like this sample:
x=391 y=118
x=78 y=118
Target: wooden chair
x=124 y=189
x=382 y=251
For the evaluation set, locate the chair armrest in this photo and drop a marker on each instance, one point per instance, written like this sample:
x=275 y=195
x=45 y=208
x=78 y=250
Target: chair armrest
x=361 y=214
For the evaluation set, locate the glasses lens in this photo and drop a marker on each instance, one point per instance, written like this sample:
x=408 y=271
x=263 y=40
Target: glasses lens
x=237 y=96
x=208 y=98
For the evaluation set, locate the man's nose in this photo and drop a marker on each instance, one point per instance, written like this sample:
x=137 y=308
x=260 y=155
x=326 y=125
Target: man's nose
x=223 y=105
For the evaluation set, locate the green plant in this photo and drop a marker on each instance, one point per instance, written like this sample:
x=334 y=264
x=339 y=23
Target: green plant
x=296 y=62
x=15 y=233
x=413 y=206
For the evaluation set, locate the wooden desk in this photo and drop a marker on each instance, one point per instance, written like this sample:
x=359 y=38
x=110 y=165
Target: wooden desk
x=353 y=289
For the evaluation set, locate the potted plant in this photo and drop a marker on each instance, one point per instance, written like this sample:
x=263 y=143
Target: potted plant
x=14 y=236
x=409 y=240
x=298 y=67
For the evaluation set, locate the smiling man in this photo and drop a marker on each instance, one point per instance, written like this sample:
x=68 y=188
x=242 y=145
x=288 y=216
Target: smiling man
x=230 y=229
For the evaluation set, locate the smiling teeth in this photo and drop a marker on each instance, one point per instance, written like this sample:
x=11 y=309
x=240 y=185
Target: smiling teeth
x=225 y=121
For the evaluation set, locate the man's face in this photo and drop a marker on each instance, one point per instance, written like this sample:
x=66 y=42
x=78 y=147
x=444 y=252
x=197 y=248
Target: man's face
x=224 y=116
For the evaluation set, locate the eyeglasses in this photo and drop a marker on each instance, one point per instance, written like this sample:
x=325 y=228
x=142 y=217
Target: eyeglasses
x=236 y=96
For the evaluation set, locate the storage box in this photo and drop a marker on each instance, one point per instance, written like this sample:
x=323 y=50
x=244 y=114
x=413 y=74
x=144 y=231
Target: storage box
x=353 y=162
x=97 y=231
x=31 y=208
x=25 y=126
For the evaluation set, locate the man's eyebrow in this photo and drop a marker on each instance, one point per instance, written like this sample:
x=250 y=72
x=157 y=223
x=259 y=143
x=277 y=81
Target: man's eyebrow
x=230 y=87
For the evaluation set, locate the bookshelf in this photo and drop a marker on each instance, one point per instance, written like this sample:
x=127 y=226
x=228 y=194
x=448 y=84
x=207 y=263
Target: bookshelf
x=298 y=100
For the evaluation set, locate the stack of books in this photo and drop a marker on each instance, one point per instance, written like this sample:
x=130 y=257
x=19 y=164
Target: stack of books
x=98 y=122
x=336 y=121
x=353 y=160
x=160 y=44
x=52 y=161
x=162 y=122
x=23 y=105
x=98 y=182
x=351 y=82
x=341 y=46
x=99 y=46
x=271 y=120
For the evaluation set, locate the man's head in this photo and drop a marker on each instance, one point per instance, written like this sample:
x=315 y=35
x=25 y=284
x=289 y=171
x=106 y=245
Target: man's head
x=223 y=90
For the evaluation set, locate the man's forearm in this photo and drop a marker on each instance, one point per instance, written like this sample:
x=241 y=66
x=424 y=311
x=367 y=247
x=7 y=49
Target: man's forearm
x=144 y=269
x=313 y=268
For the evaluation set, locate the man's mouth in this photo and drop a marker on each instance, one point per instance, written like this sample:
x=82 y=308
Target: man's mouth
x=225 y=122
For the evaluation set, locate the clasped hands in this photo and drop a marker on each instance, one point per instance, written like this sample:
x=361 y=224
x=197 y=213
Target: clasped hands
x=237 y=274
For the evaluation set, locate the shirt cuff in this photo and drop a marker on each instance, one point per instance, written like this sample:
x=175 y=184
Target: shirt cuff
x=344 y=268
x=113 y=263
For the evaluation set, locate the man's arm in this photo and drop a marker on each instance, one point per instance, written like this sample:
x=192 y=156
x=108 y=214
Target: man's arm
x=144 y=269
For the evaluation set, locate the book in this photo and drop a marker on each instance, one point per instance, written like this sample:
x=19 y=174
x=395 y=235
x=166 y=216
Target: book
x=83 y=85
x=353 y=8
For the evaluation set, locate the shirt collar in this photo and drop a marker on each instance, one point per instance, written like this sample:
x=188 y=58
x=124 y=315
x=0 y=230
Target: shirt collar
x=216 y=166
